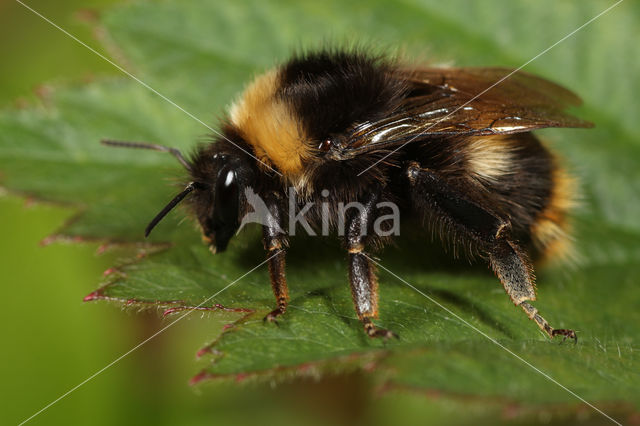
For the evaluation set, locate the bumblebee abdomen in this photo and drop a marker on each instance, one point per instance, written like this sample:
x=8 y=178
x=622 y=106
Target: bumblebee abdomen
x=530 y=188
x=551 y=230
x=516 y=177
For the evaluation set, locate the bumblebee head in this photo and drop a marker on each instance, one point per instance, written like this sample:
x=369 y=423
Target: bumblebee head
x=218 y=200
x=216 y=193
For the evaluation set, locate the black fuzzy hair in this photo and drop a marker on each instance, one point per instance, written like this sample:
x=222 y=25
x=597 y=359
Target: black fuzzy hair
x=333 y=89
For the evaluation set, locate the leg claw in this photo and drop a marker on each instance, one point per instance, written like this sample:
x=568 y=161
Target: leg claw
x=271 y=316
x=566 y=334
x=381 y=332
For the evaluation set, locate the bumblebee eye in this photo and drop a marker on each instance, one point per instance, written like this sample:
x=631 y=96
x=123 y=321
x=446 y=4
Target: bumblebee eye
x=325 y=145
x=226 y=201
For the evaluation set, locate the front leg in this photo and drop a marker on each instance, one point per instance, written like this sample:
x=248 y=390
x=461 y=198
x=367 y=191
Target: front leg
x=362 y=275
x=275 y=242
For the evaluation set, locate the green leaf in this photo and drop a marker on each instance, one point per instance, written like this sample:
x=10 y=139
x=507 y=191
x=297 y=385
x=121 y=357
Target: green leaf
x=200 y=54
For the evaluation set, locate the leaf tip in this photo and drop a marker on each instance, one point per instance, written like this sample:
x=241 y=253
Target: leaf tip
x=108 y=272
x=46 y=241
x=170 y=311
x=202 y=352
x=94 y=295
x=200 y=377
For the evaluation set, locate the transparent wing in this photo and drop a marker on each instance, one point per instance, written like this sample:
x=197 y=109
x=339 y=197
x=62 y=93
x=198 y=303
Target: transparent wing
x=465 y=101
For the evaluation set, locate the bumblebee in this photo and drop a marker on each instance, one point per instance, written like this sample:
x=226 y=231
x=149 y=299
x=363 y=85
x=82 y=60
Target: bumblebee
x=452 y=146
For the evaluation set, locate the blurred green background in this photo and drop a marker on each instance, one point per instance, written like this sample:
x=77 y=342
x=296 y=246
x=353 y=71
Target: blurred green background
x=53 y=341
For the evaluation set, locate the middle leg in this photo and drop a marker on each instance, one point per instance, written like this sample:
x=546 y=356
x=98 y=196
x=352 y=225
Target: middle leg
x=362 y=273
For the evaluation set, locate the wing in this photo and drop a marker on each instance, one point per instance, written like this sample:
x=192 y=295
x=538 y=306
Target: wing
x=465 y=101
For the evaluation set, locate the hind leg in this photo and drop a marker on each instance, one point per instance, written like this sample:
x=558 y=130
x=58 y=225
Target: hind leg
x=513 y=269
x=479 y=225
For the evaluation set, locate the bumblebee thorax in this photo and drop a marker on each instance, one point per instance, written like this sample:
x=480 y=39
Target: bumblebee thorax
x=269 y=124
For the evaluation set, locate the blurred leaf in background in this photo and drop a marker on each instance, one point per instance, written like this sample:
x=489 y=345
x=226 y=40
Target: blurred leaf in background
x=200 y=54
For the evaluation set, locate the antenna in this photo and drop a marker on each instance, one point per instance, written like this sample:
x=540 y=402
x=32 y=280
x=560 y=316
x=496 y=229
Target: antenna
x=152 y=146
x=189 y=188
